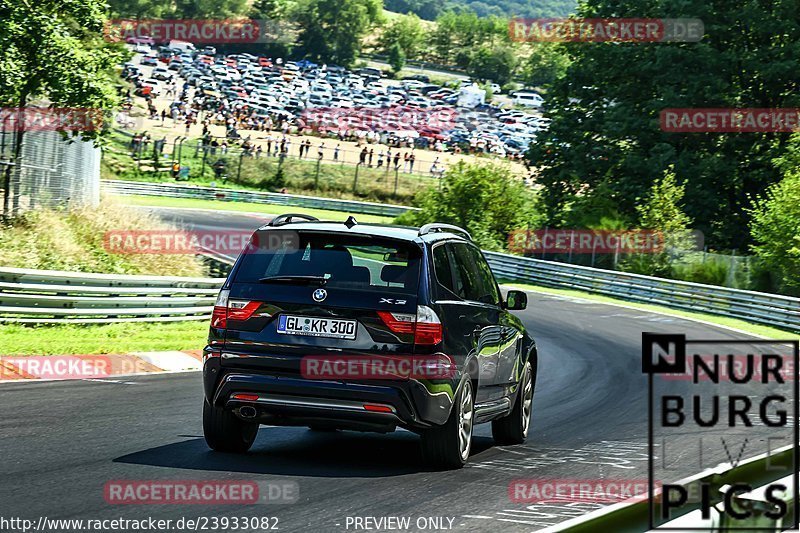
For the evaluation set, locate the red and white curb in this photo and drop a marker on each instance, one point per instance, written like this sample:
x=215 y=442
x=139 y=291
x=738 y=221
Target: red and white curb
x=72 y=367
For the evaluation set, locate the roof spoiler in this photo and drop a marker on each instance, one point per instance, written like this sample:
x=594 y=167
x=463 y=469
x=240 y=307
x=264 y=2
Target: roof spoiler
x=288 y=218
x=444 y=228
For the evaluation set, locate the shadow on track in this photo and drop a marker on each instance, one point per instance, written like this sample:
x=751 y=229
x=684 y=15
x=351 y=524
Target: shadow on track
x=299 y=452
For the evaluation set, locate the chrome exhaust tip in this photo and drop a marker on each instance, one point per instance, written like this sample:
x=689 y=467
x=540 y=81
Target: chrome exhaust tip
x=248 y=411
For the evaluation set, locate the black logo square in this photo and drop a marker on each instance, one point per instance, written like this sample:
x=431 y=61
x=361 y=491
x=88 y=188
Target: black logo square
x=663 y=354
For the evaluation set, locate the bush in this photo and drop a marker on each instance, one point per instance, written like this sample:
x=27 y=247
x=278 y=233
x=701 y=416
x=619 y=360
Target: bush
x=775 y=228
x=485 y=199
x=74 y=241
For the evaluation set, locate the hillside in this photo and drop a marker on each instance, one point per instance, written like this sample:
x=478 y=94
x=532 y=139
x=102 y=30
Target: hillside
x=429 y=9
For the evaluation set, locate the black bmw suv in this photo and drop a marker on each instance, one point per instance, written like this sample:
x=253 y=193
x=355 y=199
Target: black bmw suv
x=362 y=327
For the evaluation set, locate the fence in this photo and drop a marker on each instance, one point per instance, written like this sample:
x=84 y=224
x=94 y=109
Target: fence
x=235 y=195
x=761 y=308
x=378 y=177
x=52 y=297
x=51 y=171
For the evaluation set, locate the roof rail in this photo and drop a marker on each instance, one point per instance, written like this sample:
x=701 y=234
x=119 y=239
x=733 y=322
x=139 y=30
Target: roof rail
x=288 y=218
x=449 y=228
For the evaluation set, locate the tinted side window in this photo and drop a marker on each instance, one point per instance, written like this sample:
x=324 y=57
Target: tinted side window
x=441 y=267
x=478 y=282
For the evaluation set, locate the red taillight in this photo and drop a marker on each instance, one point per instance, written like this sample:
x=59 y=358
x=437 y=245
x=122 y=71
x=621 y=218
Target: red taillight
x=428 y=334
x=246 y=397
x=219 y=318
x=239 y=310
x=226 y=309
x=377 y=408
x=425 y=325
x=398 y=323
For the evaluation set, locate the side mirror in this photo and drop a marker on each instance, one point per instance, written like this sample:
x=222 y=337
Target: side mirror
x=516 y=301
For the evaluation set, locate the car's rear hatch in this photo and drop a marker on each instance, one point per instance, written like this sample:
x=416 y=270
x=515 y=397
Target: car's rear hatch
x=311 y=293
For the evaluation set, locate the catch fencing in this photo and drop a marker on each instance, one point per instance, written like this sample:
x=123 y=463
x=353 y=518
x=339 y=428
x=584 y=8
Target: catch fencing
x=50 y=172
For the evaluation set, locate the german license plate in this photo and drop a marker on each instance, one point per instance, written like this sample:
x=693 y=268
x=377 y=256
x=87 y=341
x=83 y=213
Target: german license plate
x=317 y=327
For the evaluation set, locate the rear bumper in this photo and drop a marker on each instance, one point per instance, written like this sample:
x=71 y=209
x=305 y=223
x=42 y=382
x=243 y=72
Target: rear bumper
x=282 y=400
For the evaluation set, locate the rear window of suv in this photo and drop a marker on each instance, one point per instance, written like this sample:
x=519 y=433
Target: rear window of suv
x=355 y=262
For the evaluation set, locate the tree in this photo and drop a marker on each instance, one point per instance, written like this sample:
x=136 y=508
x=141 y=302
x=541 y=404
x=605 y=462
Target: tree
x=605 y=132
x=662 y=209
x=178 y=9
x=270 y=9
x=546 y=64
x=332 y=30
x=406 y=32
x=775 y=228
x=68 y=64
x=493 y=63
x=397 y=58
x=487 y=200
x=464 y=30
x=662 y=212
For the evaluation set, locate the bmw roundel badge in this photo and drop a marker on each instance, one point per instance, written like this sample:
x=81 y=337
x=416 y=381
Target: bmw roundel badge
x=319 y=295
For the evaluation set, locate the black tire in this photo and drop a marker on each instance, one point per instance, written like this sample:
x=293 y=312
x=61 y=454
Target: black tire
x=513 y=429
x=442 y=447
x=225 y=432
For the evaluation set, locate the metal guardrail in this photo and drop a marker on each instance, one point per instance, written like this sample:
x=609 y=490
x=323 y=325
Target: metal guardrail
x=634 y=516
x=175 y=190
x=761 y=308
x=52 y=297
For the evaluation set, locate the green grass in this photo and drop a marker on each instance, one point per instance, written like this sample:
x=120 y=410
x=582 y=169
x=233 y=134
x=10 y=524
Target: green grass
x=755 y=329
x=267 y=209
x=102 y=339
x=262 y=174
x=57 y=239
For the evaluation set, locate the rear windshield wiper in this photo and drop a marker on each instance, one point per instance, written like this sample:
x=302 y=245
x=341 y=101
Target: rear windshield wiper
x=304 y=280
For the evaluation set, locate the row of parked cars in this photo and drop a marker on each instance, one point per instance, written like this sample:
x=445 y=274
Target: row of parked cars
x=296 y=90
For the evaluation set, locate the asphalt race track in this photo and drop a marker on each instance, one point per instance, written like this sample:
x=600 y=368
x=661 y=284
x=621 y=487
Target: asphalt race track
x=62 y=441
